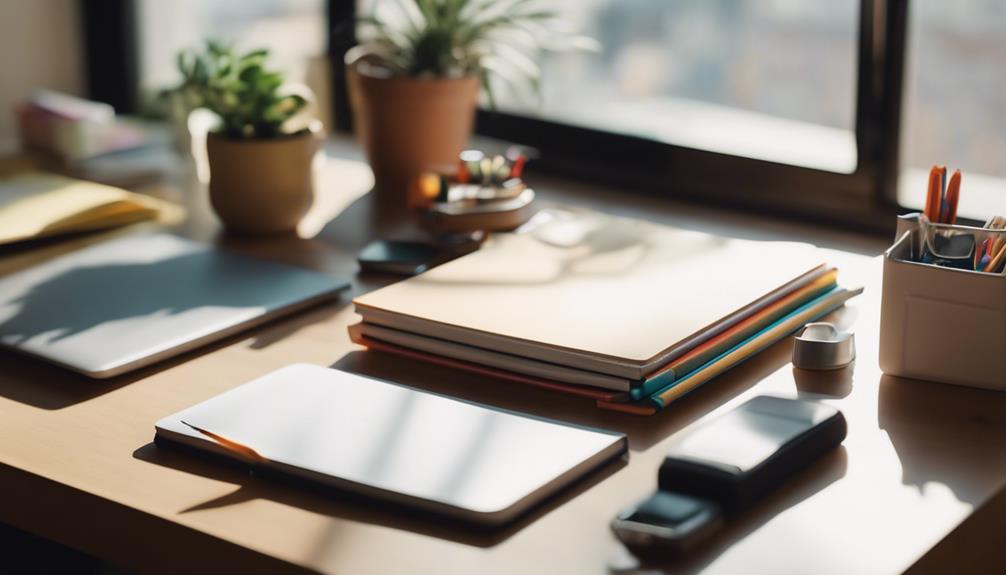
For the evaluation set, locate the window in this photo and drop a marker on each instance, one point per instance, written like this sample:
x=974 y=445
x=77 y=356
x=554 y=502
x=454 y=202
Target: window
x=783 y=106
x=295 y=31
x=954 y=102
x=786 y=106
x=772 y=80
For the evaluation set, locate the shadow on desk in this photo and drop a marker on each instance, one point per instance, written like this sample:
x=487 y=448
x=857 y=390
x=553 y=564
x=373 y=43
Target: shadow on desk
x=643 y=431
x=343 y=505
x=944 y=434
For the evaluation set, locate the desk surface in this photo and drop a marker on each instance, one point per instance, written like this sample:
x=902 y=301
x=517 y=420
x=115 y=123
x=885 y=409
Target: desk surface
x=77 y=464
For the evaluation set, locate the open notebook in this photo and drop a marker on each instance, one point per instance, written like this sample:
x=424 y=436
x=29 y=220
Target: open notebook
x=392 y=442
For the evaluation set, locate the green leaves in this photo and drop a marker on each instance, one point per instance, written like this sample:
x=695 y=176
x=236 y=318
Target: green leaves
x=453 y=38
x=239 y=89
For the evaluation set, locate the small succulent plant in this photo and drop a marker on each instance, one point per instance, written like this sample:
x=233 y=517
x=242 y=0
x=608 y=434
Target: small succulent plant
x=455 y=38
x=250 y=99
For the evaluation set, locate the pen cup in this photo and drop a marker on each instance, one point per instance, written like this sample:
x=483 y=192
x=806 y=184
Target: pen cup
x=942 y=320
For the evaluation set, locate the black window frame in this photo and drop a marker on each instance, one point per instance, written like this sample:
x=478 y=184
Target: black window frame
x=865 y=199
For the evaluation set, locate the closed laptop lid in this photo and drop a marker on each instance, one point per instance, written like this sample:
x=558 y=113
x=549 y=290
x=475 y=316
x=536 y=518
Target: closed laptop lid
x=129 y=302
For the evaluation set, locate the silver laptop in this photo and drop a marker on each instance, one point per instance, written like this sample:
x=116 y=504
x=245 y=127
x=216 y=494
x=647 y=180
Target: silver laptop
x=130 y=302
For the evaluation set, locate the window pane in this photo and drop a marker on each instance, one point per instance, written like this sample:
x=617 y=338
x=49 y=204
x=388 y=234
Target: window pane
x=774 y=79
x=294 y=30
x=954 y=86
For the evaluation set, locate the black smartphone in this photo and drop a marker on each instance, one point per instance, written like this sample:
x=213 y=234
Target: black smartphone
x=725 y=465
x=399 y=257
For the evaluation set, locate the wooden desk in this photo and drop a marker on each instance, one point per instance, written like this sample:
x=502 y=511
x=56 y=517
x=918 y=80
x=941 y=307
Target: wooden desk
x=919 y=480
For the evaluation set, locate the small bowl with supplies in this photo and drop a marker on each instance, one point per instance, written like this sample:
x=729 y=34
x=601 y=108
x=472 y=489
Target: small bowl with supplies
x=485 y=193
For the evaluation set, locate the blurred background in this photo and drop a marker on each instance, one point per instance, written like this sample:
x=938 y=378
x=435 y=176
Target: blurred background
x=777 y=81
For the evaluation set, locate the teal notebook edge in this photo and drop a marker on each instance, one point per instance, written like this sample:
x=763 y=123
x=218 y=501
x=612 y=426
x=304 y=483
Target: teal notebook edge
x=664 y=380
x=657 y=403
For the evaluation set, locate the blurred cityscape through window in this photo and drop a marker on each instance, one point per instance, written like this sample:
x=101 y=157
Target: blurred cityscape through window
x=773 y=79
x=293 y=30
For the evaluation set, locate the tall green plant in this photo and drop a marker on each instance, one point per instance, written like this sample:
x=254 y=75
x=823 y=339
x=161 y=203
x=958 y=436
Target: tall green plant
x=454 y=38
x=246 y=95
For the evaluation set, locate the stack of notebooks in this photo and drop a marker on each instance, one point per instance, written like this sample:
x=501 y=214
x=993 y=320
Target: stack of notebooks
x=630 y=314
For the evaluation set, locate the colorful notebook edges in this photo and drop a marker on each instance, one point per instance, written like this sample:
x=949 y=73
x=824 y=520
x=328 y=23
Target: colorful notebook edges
x=720 y=354
x=809 y=312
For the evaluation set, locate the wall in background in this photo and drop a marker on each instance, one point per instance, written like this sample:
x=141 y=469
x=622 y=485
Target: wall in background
x=41 y=49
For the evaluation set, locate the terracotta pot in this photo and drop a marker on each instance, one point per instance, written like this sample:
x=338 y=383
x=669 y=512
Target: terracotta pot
x=262 y=185
x=410 y=125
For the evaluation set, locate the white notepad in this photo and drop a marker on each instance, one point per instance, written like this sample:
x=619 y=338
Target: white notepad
x=396 y=443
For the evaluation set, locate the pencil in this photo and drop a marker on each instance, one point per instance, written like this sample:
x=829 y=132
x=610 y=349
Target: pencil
x=997 y=259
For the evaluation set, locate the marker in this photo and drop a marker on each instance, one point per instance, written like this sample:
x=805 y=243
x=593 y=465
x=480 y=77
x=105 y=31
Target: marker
x=953 y=195
x=933 y=195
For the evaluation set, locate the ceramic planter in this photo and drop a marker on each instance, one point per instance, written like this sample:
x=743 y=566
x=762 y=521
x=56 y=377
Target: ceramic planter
x=262 y=186
x=410 y=125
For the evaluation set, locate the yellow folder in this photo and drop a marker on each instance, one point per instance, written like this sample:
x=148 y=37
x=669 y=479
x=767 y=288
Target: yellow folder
x=36 y=205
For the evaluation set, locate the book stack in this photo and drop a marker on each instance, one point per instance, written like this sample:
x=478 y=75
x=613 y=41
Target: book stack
x=630 y=314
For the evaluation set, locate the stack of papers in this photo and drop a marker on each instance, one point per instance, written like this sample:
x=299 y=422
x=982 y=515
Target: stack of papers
x=36 y=205
x=629 y=313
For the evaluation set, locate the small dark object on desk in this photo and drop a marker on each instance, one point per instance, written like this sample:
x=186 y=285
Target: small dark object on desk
x=398 y=257
x=412 y=258
x=666 y=522
x=712 y=468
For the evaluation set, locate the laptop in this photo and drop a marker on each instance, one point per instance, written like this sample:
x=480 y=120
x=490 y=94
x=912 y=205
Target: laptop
x=127 y=303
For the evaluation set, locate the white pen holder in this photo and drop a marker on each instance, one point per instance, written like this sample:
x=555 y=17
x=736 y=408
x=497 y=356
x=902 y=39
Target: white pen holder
x=940 y=323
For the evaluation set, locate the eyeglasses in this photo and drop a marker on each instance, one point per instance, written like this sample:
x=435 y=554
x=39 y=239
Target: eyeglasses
x=963 y=247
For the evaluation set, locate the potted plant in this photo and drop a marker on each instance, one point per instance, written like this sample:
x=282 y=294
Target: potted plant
x=414 y=79
x=261 y=153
